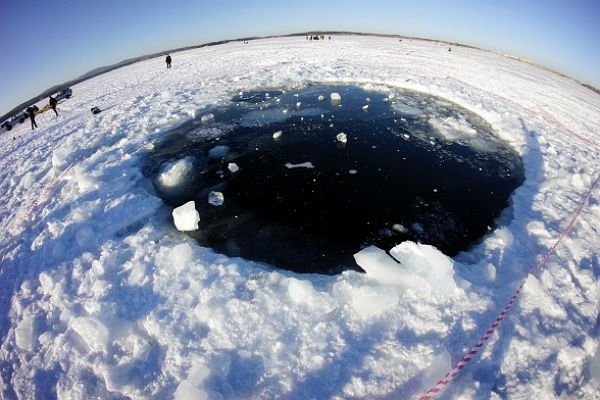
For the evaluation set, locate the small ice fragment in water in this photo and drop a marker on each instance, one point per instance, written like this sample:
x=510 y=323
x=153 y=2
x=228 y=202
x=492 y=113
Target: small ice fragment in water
x=335 y=98
x=207 y=118
x=391 y=96
x=306 y=164
x=321 y=97
x=352 y=171
x=368 y=99
x=216 y=198
x=277 y=135
x=399 y=228
x=233 y=167
x=218 y=151
x=285 y=111
x=277 y=100
x=417 y=227
x=406 y=136
x=341 y=137
x=186 y=217
x=298 y=104
x=365 y=107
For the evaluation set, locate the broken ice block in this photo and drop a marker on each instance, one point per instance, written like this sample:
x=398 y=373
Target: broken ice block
x=216 y=198
x=218 y=151
x=341 y=137
x=233 y=167
x=306 y=164
x=277 y=135
x=186 y=217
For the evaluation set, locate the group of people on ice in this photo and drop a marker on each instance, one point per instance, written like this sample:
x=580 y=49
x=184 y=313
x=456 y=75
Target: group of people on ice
x=32 y=110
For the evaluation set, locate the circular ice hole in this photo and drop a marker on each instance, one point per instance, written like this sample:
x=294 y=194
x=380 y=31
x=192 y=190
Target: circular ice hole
x=430 y=172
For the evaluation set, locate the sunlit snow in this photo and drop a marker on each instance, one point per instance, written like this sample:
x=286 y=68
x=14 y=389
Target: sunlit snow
x=101 y=296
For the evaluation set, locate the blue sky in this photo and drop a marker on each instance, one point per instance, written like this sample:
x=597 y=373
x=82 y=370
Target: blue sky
x=44 y=43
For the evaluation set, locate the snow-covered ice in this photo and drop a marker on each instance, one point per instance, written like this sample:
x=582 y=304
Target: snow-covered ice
x=277 y=135
x=100 y=297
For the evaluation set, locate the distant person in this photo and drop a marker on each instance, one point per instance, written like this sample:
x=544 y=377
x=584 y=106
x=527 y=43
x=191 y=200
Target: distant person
x=52 y=101
x=31 y=113
x=168 y=60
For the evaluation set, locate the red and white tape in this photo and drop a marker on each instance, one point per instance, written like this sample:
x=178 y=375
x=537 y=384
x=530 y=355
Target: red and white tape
x=443 y=383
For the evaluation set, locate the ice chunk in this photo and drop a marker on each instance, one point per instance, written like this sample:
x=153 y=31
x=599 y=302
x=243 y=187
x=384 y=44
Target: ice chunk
x=341 y=137
x=399 y=228
x=391 y=96
x=233 y=167
x=277 y=135
x=206 y=118
x=417 y=227
x=365 y=108
x=24 y=337
x=175 y=177
x=93 y=332
x=428 y=262
x=321 y=97
x=306 y=164
x=352 y=171
x=335 y=98
x=186 y=217
x=380 y=266
x=298 y=104
x=216 y=198
x=218 y=151
x=407 y=110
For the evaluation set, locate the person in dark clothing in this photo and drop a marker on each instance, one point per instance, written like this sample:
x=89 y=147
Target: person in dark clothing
x=31 y=113
x=52 y=101
x=168 y=60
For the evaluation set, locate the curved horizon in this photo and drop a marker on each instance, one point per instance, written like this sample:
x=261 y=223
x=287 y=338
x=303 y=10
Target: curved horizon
x=50 y=44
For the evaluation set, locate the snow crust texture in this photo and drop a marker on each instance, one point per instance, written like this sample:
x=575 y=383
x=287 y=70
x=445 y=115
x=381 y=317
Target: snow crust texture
x=102 y=297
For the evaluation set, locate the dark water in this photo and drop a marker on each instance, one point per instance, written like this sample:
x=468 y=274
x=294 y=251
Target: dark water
x=415 y=167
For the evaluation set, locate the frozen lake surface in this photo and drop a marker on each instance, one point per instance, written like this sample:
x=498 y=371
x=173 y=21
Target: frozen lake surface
x=319 y=179
x=101 y=296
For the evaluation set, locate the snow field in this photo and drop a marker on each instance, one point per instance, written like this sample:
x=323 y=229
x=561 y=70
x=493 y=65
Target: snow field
x=101 y=296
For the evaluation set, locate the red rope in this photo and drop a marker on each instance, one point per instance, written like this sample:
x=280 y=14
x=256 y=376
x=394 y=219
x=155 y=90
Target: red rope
x=443 y=383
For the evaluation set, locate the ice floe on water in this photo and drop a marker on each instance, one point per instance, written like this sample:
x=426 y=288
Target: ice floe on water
x=101 y=297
